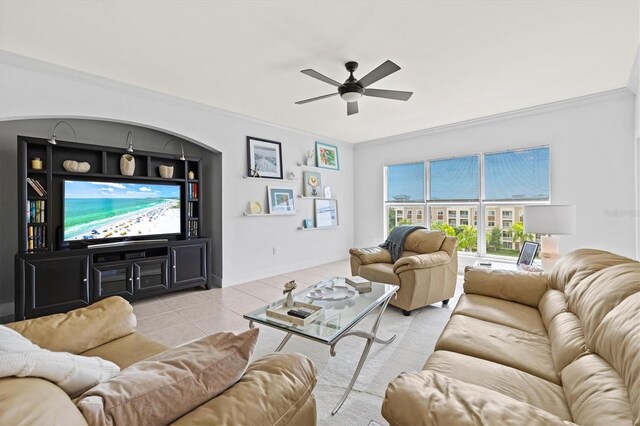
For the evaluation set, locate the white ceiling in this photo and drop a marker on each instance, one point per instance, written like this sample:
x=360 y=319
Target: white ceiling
x=462 y=59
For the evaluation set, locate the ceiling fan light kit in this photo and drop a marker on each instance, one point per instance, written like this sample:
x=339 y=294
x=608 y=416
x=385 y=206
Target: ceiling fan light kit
x=353 y=89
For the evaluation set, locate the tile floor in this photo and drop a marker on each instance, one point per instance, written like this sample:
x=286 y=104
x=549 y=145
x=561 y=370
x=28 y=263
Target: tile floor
x=177 y=318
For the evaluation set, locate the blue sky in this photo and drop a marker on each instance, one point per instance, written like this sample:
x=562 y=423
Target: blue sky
x=513 y=175
x=82 y=189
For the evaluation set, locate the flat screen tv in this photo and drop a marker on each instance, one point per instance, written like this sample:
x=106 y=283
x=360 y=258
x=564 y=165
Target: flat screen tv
x=117 y=210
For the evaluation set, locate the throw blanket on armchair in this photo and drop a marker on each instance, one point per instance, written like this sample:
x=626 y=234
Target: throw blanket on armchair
x=395 y=240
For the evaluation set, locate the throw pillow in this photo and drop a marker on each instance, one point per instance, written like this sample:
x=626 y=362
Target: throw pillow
x=73 y=373
x=163 y=388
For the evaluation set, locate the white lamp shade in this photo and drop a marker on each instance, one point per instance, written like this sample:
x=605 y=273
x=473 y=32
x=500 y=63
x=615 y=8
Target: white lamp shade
x=550 y=219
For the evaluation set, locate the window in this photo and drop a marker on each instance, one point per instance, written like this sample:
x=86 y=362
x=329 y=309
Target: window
x=449 y=194
x=517 y=175
x=454 y=179
x=405 y=183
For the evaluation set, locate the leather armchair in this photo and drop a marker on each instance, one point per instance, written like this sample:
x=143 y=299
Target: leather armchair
x=426 y=272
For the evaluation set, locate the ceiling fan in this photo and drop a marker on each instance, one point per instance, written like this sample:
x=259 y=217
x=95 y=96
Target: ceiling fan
x=353 y=89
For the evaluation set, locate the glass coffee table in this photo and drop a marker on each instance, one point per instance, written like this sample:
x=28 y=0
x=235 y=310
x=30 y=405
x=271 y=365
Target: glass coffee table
x=340 y=317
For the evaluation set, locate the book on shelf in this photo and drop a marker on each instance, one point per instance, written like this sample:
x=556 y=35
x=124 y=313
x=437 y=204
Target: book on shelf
x=37 y=186
x=37 y=237
x=193 y=191
x=36 y=211
x=361 y=284
x=192 y=230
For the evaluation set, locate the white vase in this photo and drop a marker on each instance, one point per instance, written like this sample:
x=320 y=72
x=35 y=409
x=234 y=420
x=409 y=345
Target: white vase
x=127 y=165
x=289 y=301
x=310 y=161
x=166 y=171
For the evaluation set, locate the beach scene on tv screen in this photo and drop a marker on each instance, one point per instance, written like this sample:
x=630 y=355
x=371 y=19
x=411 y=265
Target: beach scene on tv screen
x=99 y=210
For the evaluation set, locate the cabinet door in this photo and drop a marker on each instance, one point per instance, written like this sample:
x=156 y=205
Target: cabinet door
x=113 y=279
x=151 y=275
x=53 y=285
x=189 y=265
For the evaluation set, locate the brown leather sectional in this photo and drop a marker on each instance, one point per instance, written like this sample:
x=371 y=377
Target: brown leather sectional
x=524 y=348
x=275 y=390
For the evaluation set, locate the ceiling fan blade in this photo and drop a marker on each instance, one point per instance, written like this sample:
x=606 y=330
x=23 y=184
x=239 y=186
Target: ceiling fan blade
x=352 y=108
x=316 y=99
x=388 y=94
x=382 y=71
x=316 y=74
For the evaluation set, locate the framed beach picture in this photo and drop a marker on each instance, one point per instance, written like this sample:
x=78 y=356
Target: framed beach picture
x=326 y=213
x=281 y=200
x=264 y=158
x=327 y=156
x=528 y=253
x=312 y=184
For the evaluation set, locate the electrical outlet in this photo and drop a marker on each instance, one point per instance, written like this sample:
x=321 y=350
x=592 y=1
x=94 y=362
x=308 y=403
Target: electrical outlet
x=275 y=250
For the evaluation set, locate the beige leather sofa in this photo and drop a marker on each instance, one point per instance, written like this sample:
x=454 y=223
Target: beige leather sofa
x=275 y=389
x=524 y=348
x=426 y=272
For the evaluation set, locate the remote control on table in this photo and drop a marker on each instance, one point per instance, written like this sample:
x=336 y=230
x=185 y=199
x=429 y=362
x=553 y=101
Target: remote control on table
x=298 y=313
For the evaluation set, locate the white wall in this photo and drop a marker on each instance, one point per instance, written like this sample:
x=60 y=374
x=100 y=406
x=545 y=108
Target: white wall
x=592 y=152
x=34 y=89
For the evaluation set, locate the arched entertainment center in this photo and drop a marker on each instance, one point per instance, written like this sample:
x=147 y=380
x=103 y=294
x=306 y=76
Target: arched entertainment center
x=63 y=274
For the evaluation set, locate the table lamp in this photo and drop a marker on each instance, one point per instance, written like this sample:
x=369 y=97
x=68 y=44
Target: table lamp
x=549 y=220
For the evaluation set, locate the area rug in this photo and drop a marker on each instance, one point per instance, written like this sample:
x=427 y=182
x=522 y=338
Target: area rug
x=415 y=341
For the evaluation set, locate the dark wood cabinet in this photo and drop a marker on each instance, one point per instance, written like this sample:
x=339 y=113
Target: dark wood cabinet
x=51 y=284
x=113 y=279
x=189 y=265
x=151 y=275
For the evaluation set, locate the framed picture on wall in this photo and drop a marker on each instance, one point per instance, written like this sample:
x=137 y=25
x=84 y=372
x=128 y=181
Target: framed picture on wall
x=264 y=158
x=528 y=253
x=327 y=156
x=281 y=200
x=326 y=213
x=312 y=184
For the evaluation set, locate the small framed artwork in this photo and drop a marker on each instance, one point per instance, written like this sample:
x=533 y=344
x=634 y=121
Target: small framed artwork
x=326 y=213
x=312 y=184
x=528 y=253
x=327 y=156
x=264 y=158
x=281 y=200
x=307 y=223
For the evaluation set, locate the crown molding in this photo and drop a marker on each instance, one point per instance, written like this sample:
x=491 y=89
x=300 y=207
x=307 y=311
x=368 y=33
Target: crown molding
x=37 y=65
x=543 y=108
